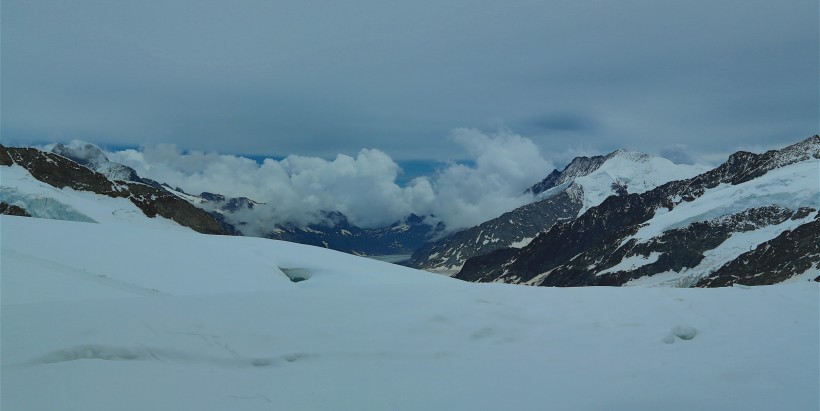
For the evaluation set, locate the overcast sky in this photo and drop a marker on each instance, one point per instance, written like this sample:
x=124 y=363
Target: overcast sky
x=691 y=79
x=356 y=98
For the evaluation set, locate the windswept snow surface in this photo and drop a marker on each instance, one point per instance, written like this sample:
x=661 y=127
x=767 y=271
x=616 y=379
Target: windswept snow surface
x=118 y=317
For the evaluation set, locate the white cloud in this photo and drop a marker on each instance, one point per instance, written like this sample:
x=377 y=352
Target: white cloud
x=505 y=165
x=363 y=187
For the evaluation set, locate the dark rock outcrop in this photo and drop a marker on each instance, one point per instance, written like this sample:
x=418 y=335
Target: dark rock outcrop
x=518 y=225
x=11 y=209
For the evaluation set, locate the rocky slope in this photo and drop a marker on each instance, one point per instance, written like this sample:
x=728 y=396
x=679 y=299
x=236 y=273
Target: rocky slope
x=786 y=256
x=683 y=232
x=512 y=229
x=59 y=171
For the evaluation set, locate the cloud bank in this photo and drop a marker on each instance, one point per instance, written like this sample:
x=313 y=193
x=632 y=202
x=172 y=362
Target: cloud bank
x=297 y=188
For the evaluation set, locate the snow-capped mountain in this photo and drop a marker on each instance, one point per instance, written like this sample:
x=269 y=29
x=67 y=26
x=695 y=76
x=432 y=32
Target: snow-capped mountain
x=618 y=173
x=93 y=157
x=717 y=228
x=561 y=196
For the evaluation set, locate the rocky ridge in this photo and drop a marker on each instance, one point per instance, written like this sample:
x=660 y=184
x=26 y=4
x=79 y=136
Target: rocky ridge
x=60 y=172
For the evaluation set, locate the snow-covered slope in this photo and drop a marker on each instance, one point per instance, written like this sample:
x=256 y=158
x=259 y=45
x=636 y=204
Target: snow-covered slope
x=127 y=259
x=112 y=316
x=562 y=196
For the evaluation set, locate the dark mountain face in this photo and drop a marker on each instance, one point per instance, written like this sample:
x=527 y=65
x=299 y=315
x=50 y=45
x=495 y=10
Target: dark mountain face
x=60 y=172
x=338 y=234
x=580 y=166
x=588 y=250
x=789 y=254
x=517 y=226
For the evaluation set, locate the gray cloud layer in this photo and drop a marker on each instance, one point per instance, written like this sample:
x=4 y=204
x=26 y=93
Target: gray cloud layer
x=321 y=78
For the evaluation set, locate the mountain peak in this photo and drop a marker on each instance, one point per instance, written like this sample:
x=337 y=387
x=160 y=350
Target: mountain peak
x=80 y=153
x=629 y=155
x=93 y=158
x=583 y=166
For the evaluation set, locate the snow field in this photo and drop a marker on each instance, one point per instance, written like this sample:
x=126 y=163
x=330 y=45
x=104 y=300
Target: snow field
x=119 y=317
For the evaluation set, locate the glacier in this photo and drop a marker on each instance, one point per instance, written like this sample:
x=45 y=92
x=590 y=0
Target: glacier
x=118 y=315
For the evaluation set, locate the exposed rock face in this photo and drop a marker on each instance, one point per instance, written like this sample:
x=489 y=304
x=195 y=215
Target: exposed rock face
x=60 y=172
x=595 y=248
x=11 y=209
x=789 y=254
x=518 y=226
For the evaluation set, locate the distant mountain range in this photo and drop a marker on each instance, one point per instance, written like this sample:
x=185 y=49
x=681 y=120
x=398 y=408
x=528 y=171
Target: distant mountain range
x=231 y=214
x=626 y=218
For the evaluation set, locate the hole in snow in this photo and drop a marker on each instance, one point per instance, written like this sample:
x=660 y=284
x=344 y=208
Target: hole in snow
x=262 y=362
x=296 y=274
x=684 y=332
x=267 y=362
x=295 y=356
